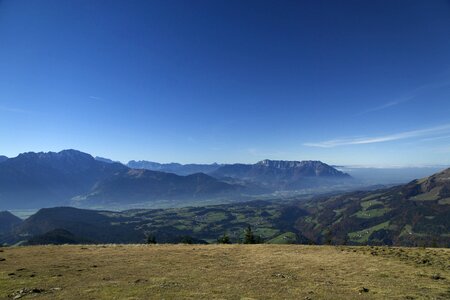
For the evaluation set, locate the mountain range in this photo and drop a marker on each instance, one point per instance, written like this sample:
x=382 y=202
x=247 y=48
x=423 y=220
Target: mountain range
x=284 y=175
x=71 y=177
x=48 y=179
x=274 y=174
x=33 y=180
x=176 y=168
x=134 y=186
x=414 y=214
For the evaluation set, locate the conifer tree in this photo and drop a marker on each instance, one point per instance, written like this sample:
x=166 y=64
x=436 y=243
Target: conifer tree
x=151 y=239
x=249 y=237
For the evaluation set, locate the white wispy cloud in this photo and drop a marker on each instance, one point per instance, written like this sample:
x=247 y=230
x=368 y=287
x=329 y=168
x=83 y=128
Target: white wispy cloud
x=433 y=131
x=15 y=110
x=389 y=104
x=408 y=97
x=435 y=138
x=95 y=98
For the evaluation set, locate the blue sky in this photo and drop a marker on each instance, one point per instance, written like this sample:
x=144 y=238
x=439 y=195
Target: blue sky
x=345 y=82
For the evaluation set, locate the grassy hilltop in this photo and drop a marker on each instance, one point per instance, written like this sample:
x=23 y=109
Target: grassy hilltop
x=223 y=272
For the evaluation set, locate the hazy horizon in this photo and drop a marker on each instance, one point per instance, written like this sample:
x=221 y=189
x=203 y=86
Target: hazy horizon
x=338 y=166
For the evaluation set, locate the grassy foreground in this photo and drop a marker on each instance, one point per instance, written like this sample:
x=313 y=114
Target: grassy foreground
x=223 y=272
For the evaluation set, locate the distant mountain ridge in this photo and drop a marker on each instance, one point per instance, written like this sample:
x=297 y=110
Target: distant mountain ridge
x=3 y=158
x=176 y=168
x=263 y=177
x=46 y=179
x=70 y=177
x=33 y=180
x=106 y=160
x=239 y=170
x=134 y=186
x=284 y=174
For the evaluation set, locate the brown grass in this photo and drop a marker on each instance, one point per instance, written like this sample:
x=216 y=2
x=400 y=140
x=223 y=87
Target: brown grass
x=223 y=272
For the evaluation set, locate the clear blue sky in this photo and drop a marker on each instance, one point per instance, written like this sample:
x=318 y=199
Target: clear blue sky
x=346 y=82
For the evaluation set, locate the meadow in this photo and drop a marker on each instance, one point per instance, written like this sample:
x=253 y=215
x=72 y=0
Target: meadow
x=223 y=272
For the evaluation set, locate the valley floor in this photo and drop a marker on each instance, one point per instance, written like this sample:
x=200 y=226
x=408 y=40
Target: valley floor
x=223 y=272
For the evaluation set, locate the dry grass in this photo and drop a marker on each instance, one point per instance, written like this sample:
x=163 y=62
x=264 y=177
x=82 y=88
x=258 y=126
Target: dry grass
x=222 y=272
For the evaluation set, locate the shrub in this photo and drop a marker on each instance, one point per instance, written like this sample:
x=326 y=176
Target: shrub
x=151 y=239
x=224 y=239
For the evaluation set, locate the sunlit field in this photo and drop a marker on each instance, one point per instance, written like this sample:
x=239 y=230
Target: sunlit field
x=223 y=272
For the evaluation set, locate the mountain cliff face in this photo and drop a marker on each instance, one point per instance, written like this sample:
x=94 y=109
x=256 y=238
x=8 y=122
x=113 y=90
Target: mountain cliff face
x=175 y=168
x=3 y=158
x=284 y=174
x=302 y=168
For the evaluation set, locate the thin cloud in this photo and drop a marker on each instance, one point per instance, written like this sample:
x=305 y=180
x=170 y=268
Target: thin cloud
x=409 y=97
x=389 y=104
x=95 y=98
x=379 y=139
x=435 y=138
x=15 y=110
